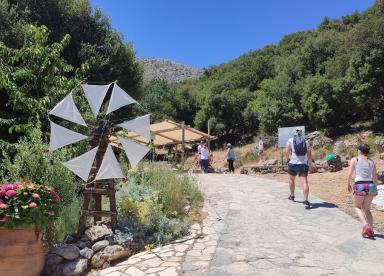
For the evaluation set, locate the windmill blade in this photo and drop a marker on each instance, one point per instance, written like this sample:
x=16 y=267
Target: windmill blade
x=119 y=98
x=109 y=168
x=140 y=125
x=134 y=151
x=95 y=95
x=67 y=109
x=61 y=136
x=82 y=164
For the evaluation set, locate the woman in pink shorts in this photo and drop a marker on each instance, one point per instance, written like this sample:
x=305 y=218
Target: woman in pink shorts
x=364 y=187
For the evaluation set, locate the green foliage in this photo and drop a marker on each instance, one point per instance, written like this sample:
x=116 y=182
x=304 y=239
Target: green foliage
x=152 y=202
x=33 y=161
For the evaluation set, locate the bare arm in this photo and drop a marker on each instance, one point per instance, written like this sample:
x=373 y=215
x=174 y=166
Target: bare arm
x=351 y=172
x=374 y=174
x=288 y=151
x=309 y=157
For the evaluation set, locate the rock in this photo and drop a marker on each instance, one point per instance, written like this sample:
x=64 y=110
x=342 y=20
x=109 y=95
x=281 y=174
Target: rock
x=270 y=162
x=344 y=161
x=82 y=244
x=75 y=267
x=111 y=239
x=87 y=253
x=69 y=239
x=186 y=209
x=339 y=147
x=100 y=245
x=97 y=232
x=108 y=254
x=53 y=259
x=335 y=164
x=317 y=139
x=351 y=142
x=67 y=251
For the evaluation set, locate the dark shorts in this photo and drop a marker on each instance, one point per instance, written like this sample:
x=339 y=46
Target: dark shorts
x=363 y=188
x=298 y=169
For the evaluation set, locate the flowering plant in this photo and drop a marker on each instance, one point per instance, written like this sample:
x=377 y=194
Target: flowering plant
x=24 y=204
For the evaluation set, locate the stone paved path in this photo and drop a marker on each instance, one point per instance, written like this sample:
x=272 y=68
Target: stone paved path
x=252 y=229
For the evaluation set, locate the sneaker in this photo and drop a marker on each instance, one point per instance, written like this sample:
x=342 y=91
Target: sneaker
x=291 y=197
x=307 y=204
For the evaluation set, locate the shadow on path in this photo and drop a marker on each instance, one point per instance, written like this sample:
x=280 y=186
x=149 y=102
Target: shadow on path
x=320 y=205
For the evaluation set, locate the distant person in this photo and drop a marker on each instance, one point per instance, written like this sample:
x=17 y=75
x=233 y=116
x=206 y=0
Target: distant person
x=260 y=146
x=364 y=187
x=298 y=152
x=199 y=147
x=230 y=156
x=204 y=158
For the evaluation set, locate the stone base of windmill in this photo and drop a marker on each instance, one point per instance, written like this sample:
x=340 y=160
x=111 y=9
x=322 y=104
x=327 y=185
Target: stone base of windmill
x=97 y=249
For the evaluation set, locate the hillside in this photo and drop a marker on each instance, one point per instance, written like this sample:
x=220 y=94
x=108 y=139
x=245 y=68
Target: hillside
x=173 y=72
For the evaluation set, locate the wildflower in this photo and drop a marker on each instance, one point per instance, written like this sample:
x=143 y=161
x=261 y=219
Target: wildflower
x=3 y=206
x=32 y=205
x=10 y=193
x=36 y=195
x=57 y=198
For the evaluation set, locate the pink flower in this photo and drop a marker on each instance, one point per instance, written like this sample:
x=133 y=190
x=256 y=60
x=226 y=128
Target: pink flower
x=32 y=205
x=57 y=198
x=2 y=192
x=10 y=193
x=36 y=195
x=2 y=205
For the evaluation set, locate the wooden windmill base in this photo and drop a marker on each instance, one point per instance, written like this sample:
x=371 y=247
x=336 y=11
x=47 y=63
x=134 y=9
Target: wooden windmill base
x=97 y=190
x=97 y=213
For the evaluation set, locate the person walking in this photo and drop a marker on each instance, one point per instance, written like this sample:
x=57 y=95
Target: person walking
x=230 y=156
x=298 y=152
x=204 y=158
x=363 y=188
x=260 y=147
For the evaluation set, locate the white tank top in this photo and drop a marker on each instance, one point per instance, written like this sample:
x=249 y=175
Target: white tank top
x=363 y=169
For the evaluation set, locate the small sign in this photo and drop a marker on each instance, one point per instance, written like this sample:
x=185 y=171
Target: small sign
x=287 y=132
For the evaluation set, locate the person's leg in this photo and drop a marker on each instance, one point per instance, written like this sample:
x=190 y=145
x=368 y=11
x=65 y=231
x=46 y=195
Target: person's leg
x=304 y=182
x=358 y=202
x=292 y=184
x=367 y=209
x=231 y=167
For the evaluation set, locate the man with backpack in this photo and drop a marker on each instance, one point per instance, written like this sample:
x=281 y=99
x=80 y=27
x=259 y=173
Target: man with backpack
x=298 y=152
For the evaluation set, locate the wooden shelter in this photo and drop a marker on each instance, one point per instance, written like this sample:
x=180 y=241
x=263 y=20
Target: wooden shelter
x=169 y=133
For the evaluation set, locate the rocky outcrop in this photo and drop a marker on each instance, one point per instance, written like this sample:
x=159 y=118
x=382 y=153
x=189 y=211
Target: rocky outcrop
x=156 y=68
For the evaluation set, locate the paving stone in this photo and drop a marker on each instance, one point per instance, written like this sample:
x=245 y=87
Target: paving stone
x=155 y=269
x=134 y=271
x=171 y=271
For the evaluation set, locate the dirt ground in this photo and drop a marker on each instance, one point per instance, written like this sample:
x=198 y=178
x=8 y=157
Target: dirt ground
x=332 y=188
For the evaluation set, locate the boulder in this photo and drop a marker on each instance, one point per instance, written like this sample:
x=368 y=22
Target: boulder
x=270 y=162
x=69 y=239
x=108 y=254
x=97 y=232
x=87 y=253
x=100 y=245
x=53 y=259
x=82 y=244
x=67 y=251
x=317 y=139
x=76 y=267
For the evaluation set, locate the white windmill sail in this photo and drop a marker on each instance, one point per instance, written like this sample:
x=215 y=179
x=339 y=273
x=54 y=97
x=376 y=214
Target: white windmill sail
x=67 y=109
x=119 y=98
x=61 y=136
x=134 y=151
x=95 y=95
x=82 y=164
x=109 y=168
x=140 y=125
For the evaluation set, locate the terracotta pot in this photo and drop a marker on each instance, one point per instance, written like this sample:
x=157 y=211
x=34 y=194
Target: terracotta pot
x=21 y=252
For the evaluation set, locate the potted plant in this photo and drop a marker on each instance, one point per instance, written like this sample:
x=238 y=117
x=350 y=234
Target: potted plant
x=25 y=209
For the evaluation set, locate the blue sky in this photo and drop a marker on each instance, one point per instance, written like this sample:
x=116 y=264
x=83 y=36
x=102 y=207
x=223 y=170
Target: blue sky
x=210 y=32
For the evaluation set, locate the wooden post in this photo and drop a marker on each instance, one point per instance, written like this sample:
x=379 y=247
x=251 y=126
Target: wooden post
x=182 y=142
x=209 y=134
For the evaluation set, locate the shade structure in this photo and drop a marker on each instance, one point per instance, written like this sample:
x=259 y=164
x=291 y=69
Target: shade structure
x=167 y=133
x=67 y=109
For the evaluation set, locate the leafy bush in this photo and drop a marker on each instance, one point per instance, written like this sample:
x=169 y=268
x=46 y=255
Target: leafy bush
x=33 y=161
x=152 y=202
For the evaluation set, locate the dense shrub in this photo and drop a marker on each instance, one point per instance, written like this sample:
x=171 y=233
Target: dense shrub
x=151 y=202
x=34 y=162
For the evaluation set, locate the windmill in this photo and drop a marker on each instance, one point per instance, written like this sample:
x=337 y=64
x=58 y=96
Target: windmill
x=98 y=166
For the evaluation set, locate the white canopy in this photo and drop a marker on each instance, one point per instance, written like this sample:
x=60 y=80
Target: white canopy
x=95 y=95
x=61 y=136
x=67 y=109
x=82 y=164
x=109 y=168
x=140 y=125
x=119 y=98
x=134 y=151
